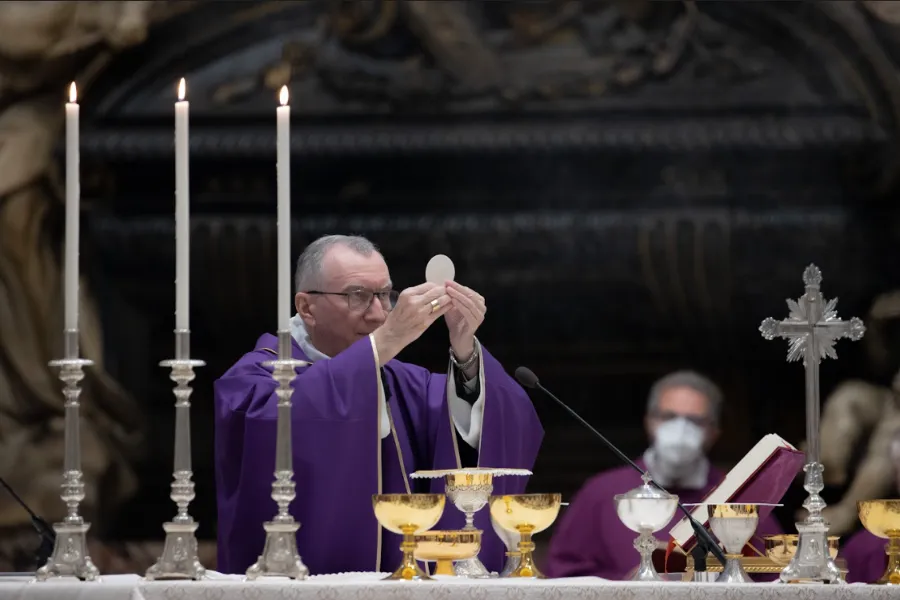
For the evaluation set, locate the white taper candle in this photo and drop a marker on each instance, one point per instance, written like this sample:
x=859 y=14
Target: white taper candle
x=73 y=210
x=283 y=144
x=182 y=213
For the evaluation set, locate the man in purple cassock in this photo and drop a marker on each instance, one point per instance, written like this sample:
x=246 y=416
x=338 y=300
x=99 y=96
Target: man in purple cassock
x=682 y=423
x=865 y=552
x=865 y=556
x=363 y=421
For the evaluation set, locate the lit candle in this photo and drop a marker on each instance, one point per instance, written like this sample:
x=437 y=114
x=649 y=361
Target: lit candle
x=182 y=212
x=73 y=200
x=284 y=211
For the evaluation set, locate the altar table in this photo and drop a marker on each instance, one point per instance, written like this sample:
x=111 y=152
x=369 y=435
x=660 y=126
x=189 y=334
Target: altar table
x=359 y=586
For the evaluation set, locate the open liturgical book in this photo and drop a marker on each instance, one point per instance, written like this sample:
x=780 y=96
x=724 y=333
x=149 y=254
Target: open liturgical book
x=763 y=476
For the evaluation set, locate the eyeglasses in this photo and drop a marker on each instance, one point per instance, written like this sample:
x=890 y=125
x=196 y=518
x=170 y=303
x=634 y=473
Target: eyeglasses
x=695 y=419
x=361 y=299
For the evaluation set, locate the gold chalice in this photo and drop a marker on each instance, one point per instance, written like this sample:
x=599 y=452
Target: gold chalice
x=526 y=514
x=882 y=518
x=444 y=547
x=408 y=514
x=780 y=549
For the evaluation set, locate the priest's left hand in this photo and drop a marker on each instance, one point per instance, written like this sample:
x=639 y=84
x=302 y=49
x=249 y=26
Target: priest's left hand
x=464 y=318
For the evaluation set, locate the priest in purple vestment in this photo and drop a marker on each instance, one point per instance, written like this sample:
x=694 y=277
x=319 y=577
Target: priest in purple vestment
x=682 y=423
x=864 y=552
x=362 y=420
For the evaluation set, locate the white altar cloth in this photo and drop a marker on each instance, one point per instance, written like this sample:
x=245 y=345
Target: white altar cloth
x=359 y=586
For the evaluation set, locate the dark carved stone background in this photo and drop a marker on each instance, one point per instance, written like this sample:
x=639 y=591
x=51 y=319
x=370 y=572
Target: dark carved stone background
x=631 y=195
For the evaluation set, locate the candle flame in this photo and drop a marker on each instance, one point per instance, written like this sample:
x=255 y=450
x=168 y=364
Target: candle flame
x=73 y=94
x=181 y=89
x=283 y=96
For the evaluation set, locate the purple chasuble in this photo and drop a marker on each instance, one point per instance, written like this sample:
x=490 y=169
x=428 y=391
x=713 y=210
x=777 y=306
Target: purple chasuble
x=340 y=460
x=865 y=556
x=590 y=540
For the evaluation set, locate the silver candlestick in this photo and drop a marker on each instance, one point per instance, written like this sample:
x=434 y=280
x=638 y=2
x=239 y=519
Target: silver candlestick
x=179 y=558
x=280 y=557
x=70 y=555
x=812 y=328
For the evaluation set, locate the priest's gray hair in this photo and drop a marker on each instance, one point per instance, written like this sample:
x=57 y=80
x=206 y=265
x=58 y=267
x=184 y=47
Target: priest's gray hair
x=688 y=379
x=308 y=276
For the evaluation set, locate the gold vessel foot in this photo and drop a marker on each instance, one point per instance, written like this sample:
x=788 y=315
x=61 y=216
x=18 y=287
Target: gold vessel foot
x=444 y=567
x=892 y=573
x=526 y=567
x=409 y=569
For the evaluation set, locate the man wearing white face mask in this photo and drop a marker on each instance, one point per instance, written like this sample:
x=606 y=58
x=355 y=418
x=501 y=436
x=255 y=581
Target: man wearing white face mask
x=682 y=424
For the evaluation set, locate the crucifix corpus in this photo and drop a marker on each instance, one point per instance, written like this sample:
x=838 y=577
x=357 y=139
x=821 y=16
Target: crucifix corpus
x=812 y=328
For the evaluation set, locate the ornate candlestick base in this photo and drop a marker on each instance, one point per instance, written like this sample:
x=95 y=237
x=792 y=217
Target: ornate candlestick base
x=70 y=556
x=280 y=557
x=179 y=558
x=811 y=562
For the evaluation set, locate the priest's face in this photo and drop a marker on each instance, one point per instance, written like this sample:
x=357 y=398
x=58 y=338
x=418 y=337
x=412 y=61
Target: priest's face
x=340 y=316
x=688 y=404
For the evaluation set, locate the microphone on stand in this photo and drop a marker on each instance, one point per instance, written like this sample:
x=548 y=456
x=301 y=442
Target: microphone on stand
x=48 y=536
x=705 y=541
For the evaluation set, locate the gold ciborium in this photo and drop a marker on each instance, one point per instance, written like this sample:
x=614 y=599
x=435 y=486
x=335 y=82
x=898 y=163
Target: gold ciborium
x=444 y=547
x=734 y=525
x=408 y=514
x=882 y=518
x=780 y=549
x=526 y=514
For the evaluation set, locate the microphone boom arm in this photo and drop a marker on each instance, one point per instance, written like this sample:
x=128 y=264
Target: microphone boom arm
x=48 y=536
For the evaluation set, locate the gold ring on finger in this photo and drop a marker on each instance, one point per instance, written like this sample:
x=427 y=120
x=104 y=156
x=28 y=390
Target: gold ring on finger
x=435 y=305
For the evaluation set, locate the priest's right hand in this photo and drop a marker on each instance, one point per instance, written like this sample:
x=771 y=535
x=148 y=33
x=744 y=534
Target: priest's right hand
x=416 y=309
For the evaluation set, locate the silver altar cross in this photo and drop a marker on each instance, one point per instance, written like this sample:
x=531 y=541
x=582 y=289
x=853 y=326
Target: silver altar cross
x=812 y=328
